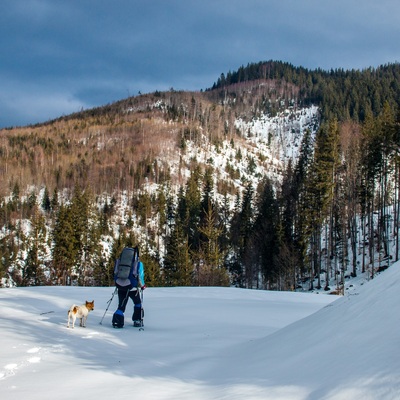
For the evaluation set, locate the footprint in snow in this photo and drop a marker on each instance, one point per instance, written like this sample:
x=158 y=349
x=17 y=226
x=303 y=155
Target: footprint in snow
x=34 y=350
x=90 y=335
x=8 y=370
x=33 y=360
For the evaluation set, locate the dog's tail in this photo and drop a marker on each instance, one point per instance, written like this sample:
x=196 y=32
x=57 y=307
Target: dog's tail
x=73 y=310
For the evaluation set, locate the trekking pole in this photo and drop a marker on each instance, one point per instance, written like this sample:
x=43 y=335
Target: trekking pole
x=108 y=305
x=142 y=311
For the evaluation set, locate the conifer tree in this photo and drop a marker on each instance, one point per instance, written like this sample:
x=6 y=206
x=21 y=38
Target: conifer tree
x=92 y=260
x=8 y=257
x=265 y=232
x=321 y=189
x=396 y=161
x=35 y=269
x=287 y=202
x=178 y=266
x=181 y=211
x=161 y=208
x=386 y=123
x=46 y=202
x=301 y=198
x=191 y=220
x=370 y=164
x=153 y=276
x=65 y=247
x=241 y=230
x=350 y=186
x=210 y=259
x=54 y=201
x=207 y=194
x=143 y=208
x=224 y=214
x=100 y=272
x=79 y=210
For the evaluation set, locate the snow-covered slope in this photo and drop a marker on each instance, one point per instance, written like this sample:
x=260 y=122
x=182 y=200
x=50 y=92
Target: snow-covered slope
x=264 y=149
x=281 y=135
x=347 y=350
x=205 y=343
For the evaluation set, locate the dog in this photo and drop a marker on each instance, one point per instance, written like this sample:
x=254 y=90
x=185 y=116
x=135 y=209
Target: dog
x=81 y=312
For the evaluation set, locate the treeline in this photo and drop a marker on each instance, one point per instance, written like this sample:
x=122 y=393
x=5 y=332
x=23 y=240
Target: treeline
x=68 y=239
x=336 y=212
x=341 y=94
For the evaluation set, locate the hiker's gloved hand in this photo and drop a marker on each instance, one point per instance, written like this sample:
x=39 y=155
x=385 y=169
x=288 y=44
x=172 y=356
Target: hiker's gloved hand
x=143 y=287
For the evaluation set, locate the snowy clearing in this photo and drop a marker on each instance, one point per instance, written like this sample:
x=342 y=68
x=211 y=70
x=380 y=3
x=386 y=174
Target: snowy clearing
x=204 y=343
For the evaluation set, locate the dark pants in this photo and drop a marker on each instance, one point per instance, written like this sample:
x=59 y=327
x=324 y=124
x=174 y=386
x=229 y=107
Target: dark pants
x=123 y=295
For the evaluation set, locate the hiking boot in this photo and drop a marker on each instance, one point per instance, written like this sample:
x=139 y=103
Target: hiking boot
x=118 y=319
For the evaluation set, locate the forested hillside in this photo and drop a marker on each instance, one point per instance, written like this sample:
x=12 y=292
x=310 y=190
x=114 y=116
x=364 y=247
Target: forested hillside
x=277 y=177
x=341 y=94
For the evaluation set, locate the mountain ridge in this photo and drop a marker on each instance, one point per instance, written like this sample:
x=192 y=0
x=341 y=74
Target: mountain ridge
x=209 y=161
x=311 y=86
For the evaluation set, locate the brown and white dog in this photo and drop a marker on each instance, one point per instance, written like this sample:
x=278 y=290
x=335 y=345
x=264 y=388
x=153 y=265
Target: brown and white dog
x=80 y=312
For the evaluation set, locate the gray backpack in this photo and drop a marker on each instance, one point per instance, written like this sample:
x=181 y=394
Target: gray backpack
x=127 y=264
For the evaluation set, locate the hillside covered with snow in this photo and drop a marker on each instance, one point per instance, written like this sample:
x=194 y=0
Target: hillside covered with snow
x=205 y=344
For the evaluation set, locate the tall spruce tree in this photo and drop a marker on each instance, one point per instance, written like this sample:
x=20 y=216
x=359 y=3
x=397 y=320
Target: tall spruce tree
x=370 y=165
x=35 y=268
x=321 y=189
x=46 y=202
x=210 y=259
x=92 y=261
x=191 y=220
x=64 y=251
x=287 y=257
x=8 y=257
x=241 y=230
x=386 y=123
x=350 y=186
x=178 y=266
x=301 y=195
x=79 y=210
x=265 y=233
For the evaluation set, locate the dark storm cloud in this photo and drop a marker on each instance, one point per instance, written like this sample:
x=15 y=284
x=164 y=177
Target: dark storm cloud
x=60 y=56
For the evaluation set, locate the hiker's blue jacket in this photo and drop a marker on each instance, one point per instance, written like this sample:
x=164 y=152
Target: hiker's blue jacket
x=141 y=282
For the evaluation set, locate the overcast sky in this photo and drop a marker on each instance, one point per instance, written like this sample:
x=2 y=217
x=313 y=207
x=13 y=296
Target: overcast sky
x=59 y=56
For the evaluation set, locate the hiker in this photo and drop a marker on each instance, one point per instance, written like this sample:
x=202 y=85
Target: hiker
x=130 y=287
